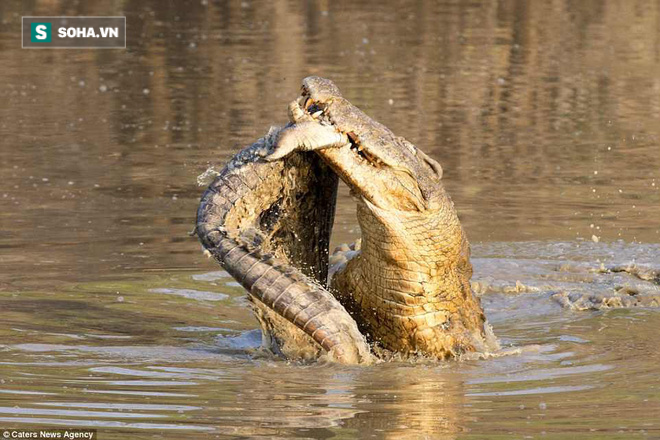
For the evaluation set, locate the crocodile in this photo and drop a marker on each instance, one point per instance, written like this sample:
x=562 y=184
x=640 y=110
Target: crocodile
x=405 y=290
x=268 y=224
x=408 y=285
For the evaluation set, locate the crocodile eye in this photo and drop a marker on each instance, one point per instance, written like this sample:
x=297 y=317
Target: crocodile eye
x=314 y=108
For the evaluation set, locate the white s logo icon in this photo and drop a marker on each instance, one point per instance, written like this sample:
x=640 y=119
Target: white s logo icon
x=41 y=32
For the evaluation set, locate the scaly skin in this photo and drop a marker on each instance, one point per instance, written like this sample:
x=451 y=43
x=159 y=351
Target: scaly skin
x=268 y=224
x=408 y=288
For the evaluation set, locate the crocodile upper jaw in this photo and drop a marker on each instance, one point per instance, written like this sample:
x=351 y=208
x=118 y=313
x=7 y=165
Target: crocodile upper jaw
x=385 y=170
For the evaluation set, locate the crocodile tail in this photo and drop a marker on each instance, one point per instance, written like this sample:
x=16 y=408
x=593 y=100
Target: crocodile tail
x=274 y=282
x=294 y=297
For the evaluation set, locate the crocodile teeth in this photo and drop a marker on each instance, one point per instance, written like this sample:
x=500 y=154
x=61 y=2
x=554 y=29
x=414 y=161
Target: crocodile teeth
x=317 y=114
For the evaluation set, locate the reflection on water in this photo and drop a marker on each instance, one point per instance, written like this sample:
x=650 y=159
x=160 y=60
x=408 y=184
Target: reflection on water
x=544 y=115
x=192 y=364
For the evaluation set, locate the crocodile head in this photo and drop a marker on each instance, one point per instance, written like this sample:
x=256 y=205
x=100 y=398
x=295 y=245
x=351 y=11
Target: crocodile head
x=385 y=170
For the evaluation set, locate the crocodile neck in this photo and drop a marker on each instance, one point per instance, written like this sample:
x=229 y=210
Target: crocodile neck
x=406 y=292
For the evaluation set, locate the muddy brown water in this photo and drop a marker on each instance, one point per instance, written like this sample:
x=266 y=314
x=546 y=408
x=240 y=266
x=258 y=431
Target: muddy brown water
x=544 y=115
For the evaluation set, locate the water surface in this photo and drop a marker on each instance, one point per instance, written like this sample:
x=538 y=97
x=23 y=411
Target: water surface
x=544 y=115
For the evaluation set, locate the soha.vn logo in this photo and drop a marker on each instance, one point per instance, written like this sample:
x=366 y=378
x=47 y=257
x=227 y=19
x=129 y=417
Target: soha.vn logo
x=40 y=32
